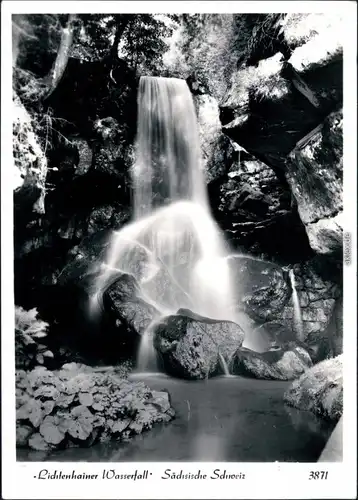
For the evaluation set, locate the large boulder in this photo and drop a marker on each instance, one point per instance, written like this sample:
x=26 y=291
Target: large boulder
x=191 y=346
x=276 y=364
x=319 y=389
x=123 y=299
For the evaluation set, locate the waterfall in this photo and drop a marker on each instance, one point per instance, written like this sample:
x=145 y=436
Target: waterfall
x=223 y=364
x=172 y=246
x=297 y=316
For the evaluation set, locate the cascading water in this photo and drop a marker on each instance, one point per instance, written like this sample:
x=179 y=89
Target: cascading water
x=173 y=246
x=297 y=315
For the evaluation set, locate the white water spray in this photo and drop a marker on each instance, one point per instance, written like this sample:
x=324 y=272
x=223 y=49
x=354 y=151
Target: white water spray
x=173 y=246
x=224 y=365
x=297 y=315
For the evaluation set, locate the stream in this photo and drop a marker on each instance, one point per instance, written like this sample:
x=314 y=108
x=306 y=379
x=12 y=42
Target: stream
x=229 y=419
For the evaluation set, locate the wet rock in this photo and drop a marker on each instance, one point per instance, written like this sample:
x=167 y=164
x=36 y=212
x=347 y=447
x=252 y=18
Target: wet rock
x=85 y=260
x=189 y=345
x=123 y=300
x=278 y=334
x=276 y=364
x=319 y=389
x=83 y=406
x=326 y=236
x=262 y=286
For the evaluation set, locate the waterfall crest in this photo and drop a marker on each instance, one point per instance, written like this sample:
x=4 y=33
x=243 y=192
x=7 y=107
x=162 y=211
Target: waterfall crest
x=173 y=246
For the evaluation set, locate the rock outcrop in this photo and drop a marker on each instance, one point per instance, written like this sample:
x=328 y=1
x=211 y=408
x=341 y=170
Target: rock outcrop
x=276 y=364
x=254 y=207
x=266 y=296
x=285 y=111
x=190 y=346
x=319 y=389
x=315 y=174
x=217 y=151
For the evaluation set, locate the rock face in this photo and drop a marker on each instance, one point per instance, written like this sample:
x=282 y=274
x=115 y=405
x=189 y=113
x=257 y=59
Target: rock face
x=254 y=207
x=262 y=286
x=190 y=345
x=285 y=111
x=79 y=405
x=289 y=91
x=276 y=364
x=130 y=311
x=266 y=296
x=86 y=170
x=318 y=288
x=315 y=173
x=319 y=389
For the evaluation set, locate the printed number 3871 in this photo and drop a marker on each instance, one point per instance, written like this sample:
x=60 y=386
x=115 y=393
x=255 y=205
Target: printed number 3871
x=318 y=475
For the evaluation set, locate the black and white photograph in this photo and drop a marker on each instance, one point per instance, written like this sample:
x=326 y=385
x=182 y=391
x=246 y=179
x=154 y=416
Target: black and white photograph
x=179 y=241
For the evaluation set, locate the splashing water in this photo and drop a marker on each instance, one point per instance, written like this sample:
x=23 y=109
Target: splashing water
x=173 y=246
x=297 y=316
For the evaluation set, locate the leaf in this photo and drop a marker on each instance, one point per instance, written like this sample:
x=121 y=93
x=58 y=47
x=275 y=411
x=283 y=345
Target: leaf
x=47 y=391
x=37 y=442
x=80 y=426
x=47 y=407
x=48 y=354
x=79 y=430
x=23 y=432
x=64 y=400
x=97 y=407
x=51 y=432
x=98 y=421
x=137 y=427
x=31 y=411
x=85 y=398
x=70 y=387
x=40 y=359
x=120 y=425
x=39 y=335
x=27 y=340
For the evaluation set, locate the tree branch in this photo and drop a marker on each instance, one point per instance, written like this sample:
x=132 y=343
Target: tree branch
x=59 y=66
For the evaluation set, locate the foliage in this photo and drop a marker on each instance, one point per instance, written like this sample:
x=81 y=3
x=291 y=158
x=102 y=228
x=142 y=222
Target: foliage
x=79 y=405
x=29 y=330
x=144 y=42
x=209 y=46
